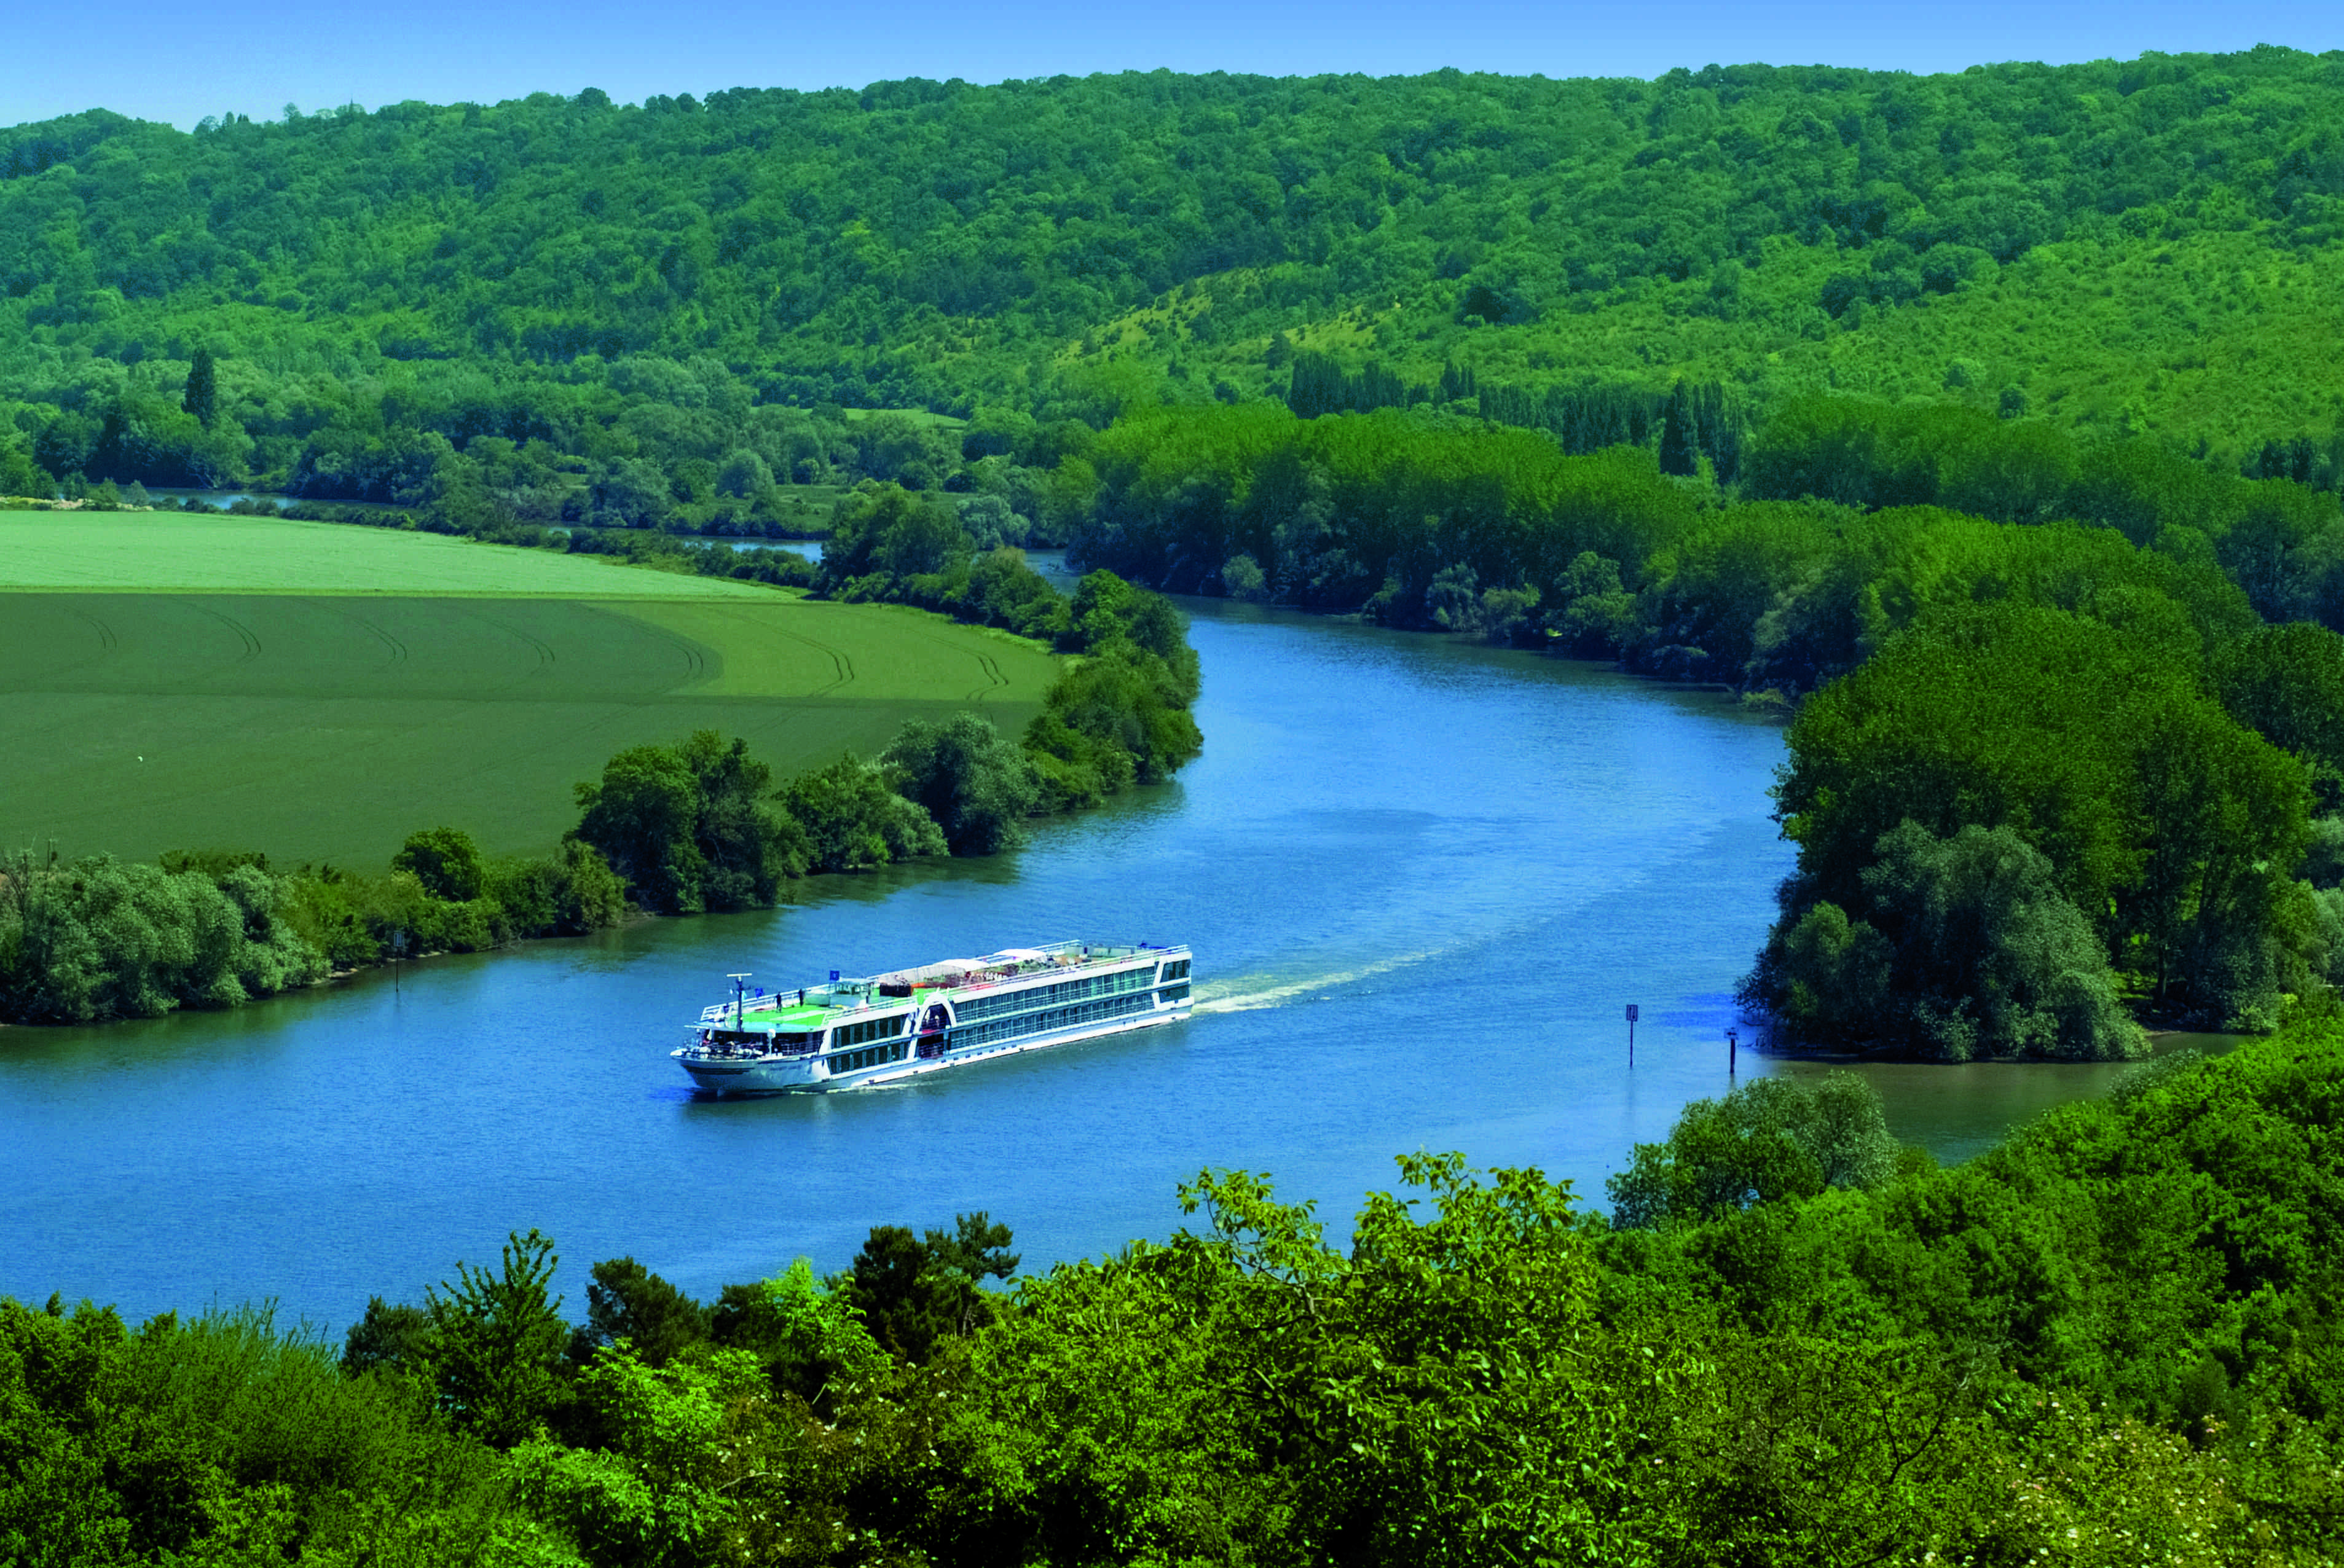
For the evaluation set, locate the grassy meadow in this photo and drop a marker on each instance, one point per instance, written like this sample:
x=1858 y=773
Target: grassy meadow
x=185 y=552
x=321 y=691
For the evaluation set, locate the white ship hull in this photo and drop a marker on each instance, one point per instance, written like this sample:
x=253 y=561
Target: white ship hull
x=1146 y=1001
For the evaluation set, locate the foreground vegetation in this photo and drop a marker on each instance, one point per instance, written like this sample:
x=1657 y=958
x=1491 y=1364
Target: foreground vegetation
x=2112 y=1339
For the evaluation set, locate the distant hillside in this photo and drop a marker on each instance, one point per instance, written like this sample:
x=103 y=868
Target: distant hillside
x=2143 y=244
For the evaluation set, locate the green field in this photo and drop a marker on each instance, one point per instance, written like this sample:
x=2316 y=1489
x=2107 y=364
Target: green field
x=180 y=552
x=346 y=686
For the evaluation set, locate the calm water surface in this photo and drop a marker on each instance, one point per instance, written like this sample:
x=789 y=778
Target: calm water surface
x=1421 y=879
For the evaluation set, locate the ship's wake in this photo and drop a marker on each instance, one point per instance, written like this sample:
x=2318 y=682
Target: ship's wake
x=1246 y=994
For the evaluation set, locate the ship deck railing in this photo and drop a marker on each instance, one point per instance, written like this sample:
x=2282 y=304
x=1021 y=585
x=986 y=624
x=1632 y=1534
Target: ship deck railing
x=993 y=969
x=1057 y=958
x=726 y=1050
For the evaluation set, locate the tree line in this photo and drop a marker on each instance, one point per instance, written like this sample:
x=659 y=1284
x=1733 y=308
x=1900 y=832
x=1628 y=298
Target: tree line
x=684 y=448
x=2051 y=770
x=1690 y=422
x=2109 y=1340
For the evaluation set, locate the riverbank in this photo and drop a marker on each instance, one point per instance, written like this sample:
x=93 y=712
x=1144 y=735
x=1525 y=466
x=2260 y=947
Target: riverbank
x=1974 y=694
x=92 y=937
x=1342 y=882
x=379 y=1130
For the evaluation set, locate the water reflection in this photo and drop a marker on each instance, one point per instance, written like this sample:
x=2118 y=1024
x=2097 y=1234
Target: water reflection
x=1957 y=1112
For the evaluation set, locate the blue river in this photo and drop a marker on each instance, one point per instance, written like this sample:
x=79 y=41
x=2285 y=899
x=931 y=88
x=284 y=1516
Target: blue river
x=1423 y=879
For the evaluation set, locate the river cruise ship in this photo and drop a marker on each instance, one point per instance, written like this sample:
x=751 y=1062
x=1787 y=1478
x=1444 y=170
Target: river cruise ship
x=848 y=1033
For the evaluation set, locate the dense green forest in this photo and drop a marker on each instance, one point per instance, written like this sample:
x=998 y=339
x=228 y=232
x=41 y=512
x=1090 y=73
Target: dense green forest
x=2110 y=1341
x=2127 y=245
x=2047 y=760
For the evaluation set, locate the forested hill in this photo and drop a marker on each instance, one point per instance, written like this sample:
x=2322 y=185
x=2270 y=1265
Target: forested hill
x=922 y=243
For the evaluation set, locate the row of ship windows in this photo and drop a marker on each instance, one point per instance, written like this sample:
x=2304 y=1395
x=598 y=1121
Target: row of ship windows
x=856 y=1061
x=1000 y=1029
x=877 y=1028
x=1044 y=996
x=1043 y=1023
x=974 y=1012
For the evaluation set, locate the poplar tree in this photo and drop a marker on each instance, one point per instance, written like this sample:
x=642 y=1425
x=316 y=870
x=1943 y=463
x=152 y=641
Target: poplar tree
x=1681 y=434
x=203 y=390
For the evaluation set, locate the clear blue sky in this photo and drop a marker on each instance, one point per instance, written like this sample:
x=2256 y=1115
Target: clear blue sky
x=176 y=61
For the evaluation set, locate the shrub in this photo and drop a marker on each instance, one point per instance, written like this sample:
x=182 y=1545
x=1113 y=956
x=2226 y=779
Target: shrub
x=973 y=783
x=853 y=822
x=96 y=939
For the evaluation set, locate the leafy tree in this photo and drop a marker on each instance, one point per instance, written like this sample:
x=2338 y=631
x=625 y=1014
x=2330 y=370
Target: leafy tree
x=1116 y=718
x=662 y=1487
x=446 y=861
x=2287 y=683
x=19 y=474
x=914 y=1291
x=1769 y=1141
x=806 y=1334
x=201 y=399
x=391 y=1338
x=990 y=524
x=1597 y=615
x=1681 y=434
x=890 y=529
x=977 y=786
x=628 y=1301
x=1004 y=591
x=744 y=473
x=688 y=827
x=895 y=450
x=222 y=1438
x=642 y=817
x=1963 y=946
x=496 y=1342
x=1242 y=578
x=976 y=1246
x=631 y=494
x=566 y=894
x=851 y=819
x=97 y=938
x=2169 y=825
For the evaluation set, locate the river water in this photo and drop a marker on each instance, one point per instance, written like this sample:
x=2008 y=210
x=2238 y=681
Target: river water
x=1422 y=880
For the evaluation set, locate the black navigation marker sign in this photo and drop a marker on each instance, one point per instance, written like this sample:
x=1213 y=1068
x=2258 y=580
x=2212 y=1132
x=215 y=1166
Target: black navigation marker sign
x=1631 y=1034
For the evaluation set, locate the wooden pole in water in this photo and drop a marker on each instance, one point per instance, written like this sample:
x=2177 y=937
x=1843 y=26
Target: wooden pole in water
x=1631 y=1034
x=1733 y=1047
